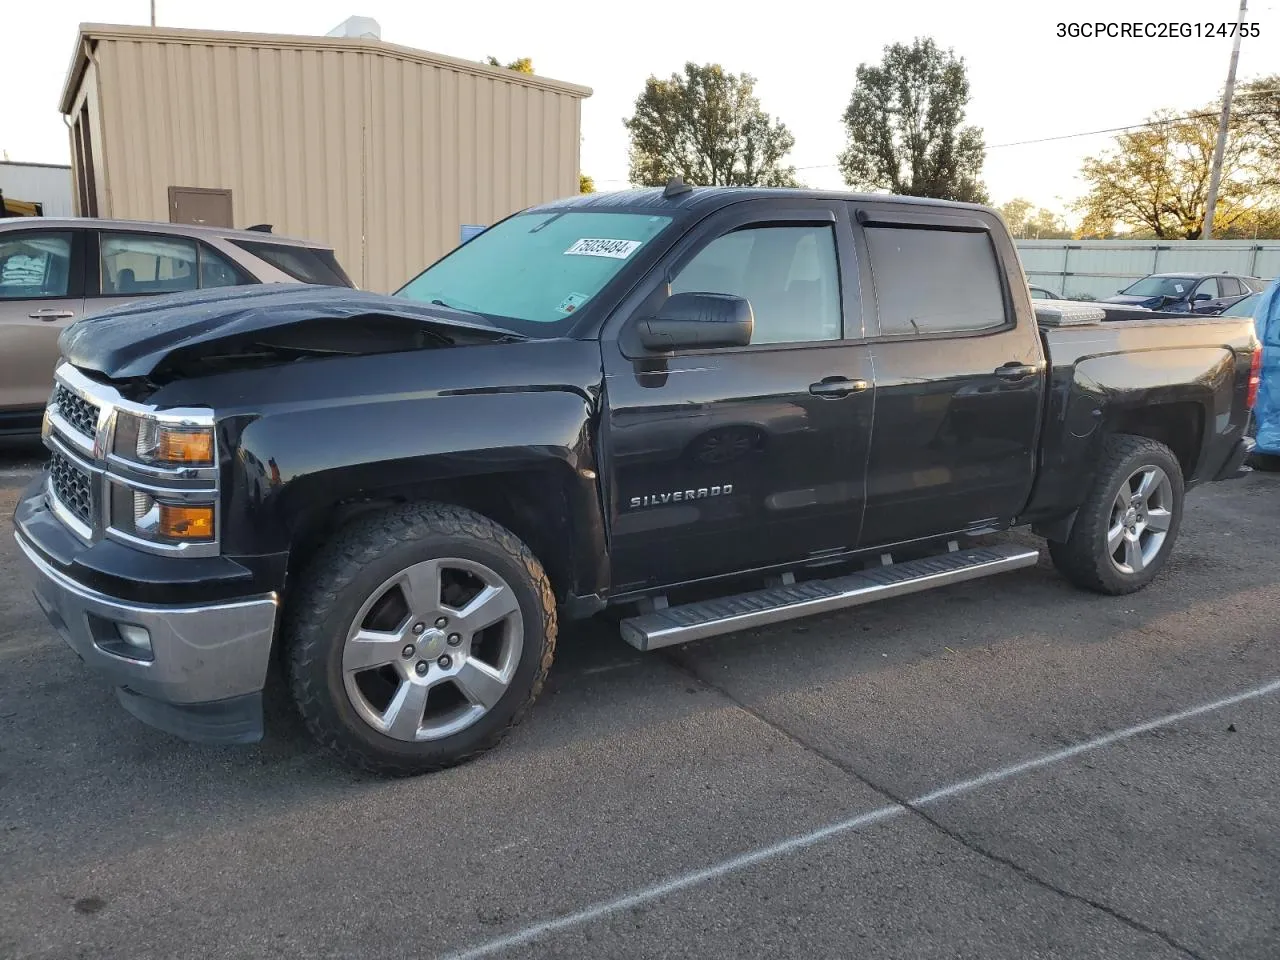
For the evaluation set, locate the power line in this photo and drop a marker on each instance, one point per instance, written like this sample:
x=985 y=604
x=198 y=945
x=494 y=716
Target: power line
x=1094 y=133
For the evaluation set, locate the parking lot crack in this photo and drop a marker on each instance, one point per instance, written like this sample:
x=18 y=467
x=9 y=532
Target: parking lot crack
x=915 y=808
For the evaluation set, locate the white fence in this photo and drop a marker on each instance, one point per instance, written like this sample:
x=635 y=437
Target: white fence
x=1092 y=269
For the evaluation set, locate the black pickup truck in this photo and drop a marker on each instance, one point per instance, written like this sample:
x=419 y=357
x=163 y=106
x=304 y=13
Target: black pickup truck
x=714 y=408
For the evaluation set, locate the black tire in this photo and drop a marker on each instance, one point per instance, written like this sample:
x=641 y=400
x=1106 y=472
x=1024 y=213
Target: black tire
x=1084 y=558
x=341 y=579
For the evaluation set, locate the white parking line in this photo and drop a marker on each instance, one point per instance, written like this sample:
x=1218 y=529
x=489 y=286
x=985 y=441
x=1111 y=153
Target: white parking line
x=20 y=473
x=687 y=880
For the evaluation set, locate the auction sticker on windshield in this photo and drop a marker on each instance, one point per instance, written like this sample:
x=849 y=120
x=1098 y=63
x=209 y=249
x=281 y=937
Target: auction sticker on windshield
x=572 y=302
x=614 y=249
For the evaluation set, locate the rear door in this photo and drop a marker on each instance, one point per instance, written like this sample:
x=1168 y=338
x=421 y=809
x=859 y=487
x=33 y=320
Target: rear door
x=722 y=460
x=41 y=292
x=959 y=374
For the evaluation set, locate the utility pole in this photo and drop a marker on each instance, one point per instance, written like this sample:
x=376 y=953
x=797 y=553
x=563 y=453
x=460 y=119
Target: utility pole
x=153 y=12
x=1215 y=174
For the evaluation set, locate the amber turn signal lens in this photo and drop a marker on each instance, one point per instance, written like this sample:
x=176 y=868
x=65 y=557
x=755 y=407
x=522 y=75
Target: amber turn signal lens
x=184 y=446
x=185 y=523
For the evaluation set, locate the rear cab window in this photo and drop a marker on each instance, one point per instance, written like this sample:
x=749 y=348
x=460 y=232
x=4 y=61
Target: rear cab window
x=935 y=281
x=305 y=264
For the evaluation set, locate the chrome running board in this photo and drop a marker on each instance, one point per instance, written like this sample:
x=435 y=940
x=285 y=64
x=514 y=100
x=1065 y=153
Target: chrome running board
x=709 y=618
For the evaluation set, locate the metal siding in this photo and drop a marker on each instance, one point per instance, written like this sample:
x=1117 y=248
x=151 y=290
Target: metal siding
x=1098 y=268
x=48 y=185
x=382 y=156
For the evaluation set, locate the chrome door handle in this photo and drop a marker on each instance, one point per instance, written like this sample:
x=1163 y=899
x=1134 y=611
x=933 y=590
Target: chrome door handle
x=1015 y=371
x=51 y=314
x=835 y=387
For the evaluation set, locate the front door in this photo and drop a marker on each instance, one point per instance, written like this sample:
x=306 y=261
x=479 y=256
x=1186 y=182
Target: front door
x=41 y=292
x=959 y=375
x=724 y=460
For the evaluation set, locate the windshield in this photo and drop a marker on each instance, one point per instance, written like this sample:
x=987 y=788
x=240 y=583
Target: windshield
x=535 y=268
x=1243 y=308
x=1175 y=287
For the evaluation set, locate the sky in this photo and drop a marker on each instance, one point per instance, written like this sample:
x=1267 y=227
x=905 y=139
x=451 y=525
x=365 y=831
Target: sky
x=1026 y=82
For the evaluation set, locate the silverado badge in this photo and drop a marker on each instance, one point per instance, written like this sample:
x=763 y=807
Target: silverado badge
x=679 y=496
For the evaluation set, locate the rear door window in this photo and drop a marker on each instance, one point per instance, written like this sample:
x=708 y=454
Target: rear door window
x=306 y=264
x=139 y=264
x=35 y=265
x=1230 y=287
x=935 y=281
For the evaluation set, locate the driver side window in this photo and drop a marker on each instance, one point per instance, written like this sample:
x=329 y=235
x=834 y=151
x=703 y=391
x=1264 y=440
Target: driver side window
x=790 y=276
x=1210 y=287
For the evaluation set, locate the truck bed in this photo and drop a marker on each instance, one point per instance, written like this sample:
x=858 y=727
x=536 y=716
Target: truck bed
x=1189 y=372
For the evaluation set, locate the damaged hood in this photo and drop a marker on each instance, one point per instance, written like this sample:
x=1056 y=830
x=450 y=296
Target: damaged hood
x=139 y=338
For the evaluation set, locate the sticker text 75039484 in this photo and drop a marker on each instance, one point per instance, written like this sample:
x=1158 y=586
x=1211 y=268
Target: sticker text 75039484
x=595 y=247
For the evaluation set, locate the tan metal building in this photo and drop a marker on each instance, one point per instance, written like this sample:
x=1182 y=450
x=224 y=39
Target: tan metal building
x=383 y=151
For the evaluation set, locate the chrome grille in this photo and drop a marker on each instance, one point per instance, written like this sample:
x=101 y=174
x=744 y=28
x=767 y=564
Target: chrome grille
x=71 y=486
x=78 y=412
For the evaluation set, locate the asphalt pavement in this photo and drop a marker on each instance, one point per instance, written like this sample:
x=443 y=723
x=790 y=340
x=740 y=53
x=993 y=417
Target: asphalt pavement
x=1009 y=768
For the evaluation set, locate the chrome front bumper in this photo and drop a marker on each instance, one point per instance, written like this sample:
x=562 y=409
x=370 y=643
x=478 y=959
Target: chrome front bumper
x=208 y=662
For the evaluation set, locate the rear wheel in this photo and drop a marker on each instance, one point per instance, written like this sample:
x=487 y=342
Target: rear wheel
x=1126 y=528
x=418 y=638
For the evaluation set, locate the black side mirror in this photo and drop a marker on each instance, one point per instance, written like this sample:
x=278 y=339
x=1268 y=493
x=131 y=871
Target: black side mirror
x=1202 y=296
x=688 y=320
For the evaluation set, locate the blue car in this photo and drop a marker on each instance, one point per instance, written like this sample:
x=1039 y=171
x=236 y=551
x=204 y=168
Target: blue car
x=1266 y=409
x=1208 y=293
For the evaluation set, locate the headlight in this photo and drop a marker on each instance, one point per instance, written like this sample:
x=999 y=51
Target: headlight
x=160 y=444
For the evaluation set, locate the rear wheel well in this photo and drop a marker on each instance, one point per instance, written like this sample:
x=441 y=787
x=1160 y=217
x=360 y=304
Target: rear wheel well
x=1179 y=426
x=531 y=504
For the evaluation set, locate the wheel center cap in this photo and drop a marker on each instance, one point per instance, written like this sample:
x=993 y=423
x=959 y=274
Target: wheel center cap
x=431 y=644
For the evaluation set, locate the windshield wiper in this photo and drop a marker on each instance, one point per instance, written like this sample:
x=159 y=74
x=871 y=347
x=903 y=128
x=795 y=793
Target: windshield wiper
x=456 y=309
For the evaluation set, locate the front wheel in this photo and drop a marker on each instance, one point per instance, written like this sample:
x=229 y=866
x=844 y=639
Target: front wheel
x=1126 y=528
x=418 y=638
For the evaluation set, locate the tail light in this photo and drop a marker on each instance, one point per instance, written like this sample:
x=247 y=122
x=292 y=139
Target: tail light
x=1255 y=375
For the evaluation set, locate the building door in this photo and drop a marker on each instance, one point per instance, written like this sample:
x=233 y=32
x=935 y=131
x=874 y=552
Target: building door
x=200 y=206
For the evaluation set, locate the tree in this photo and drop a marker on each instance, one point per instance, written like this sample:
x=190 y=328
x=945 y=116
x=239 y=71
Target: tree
x=904 y=123
x=1046 y=225
x=1255 y=113
x=1157 y=178
x=1015 y=214
x=707 y=126
x=523 y=65
x=586 y=184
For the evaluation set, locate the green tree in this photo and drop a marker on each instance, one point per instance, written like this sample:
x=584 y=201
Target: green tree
x=707 y=126
x=905 y=126
x=1015 y=213
x=586 y=184
x=1255 y=114
x=1044 y=224
x=523 y=65
x=1156 y=178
